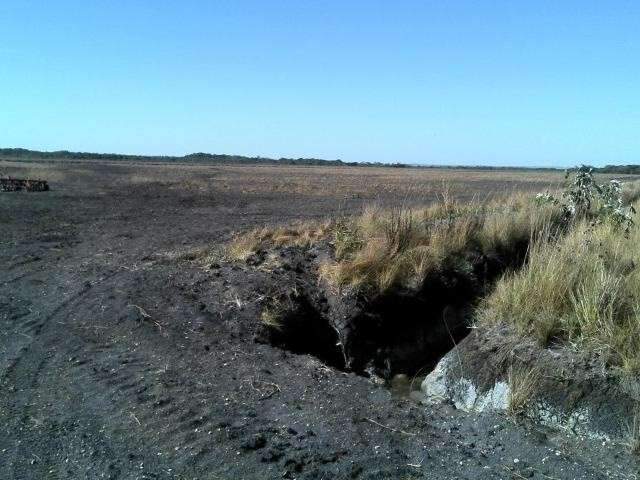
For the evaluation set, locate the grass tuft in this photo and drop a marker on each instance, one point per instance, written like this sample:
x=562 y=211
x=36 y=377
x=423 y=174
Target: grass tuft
x=632 y=440
x=271 y=317
x=304 y=234
x=523 y=384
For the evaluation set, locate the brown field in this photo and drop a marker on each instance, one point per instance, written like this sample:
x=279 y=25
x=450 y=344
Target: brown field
x=363 y=183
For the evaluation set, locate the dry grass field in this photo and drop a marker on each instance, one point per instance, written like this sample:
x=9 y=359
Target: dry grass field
x=334 y=182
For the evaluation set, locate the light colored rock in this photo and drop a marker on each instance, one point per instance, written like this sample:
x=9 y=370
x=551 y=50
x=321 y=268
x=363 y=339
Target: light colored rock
x=440 y=386
x=434 y=385
x=447 y=383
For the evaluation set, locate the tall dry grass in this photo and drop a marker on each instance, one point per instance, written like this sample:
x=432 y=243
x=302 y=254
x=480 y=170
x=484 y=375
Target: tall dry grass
x=580 y=285
x=383 y=249
x=583 y=289
x=302 y=234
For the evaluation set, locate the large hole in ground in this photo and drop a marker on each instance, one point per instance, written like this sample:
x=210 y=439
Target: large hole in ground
x=401 y=332
x=301 y=328
x=406 y=332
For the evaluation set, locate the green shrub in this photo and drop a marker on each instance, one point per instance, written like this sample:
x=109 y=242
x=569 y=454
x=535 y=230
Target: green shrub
x=583 y=197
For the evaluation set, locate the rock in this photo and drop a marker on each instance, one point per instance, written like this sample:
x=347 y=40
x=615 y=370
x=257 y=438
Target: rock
x=497 y=370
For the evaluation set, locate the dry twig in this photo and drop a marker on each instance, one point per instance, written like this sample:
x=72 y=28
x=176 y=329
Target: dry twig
x=389 y=428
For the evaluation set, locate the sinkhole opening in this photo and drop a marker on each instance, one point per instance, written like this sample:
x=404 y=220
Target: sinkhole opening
x=401 y=332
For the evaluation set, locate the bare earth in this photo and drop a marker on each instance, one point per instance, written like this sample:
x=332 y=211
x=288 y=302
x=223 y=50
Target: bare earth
x=122 y=358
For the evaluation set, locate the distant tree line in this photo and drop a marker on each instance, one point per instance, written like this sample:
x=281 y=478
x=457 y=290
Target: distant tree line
x=210 y=158
x=22 y=153
x=619 y=169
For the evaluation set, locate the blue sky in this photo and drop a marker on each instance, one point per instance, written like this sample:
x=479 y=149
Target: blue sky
x=544 y=83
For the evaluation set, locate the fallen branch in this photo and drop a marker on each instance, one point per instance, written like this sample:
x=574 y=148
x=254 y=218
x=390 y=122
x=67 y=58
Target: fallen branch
x=141 y=310
x=146 y=316
x=389 y=428
x=135 y=418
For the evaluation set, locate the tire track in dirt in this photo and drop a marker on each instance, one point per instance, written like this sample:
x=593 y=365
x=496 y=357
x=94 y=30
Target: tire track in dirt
x=152 y=403
x=138 y=392
x=30 y=360
x=32 y=328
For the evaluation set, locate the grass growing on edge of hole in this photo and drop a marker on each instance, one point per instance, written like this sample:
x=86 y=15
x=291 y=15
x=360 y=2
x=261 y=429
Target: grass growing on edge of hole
x=271 y=317
x=401 y=246
x=583 y=289
x=302 y=234
x=383 y=249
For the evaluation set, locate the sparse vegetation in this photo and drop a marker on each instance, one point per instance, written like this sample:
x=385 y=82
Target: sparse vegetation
x=303 y=235
x=271 y=316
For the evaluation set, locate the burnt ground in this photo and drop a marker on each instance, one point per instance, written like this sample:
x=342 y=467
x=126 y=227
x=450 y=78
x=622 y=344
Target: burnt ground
x=122 y=358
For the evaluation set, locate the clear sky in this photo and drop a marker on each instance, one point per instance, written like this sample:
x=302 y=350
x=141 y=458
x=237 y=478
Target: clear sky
x=551 y=83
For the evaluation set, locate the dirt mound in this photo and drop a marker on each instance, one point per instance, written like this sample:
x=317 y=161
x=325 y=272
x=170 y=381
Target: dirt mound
x=27 y=185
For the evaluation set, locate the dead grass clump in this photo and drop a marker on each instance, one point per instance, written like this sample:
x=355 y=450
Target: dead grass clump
x=304 y=234
x=246 y=244
x=632 y=438
x=271 y=316
x=631 y=192
x=523 y=383
x=346 y=239
x=515 y=220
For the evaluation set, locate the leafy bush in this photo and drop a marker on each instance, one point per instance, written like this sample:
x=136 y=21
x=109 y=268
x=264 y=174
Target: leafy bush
x=583 y=197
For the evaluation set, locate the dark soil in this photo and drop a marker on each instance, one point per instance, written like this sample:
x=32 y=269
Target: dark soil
x=123 y=357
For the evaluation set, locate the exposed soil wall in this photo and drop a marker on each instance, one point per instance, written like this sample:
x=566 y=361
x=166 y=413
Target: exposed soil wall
x=498 y=370
x=426 y=329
